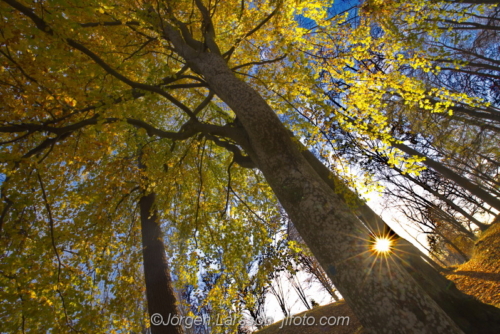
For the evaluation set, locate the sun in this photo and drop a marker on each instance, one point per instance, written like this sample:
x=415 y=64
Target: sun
x=382 y=245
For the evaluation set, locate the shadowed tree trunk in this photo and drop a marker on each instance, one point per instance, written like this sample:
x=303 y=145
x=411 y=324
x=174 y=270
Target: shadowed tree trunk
x=159 y=290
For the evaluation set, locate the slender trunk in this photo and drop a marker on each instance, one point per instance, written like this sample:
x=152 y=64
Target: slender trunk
x=297 y=286
x=451 y=175
x=315 y=269
x=489 y=114
x=340 y=242
x=470 y=53
x=443 y=265
x=489 y=182
x=455 y=207
x=461 y=70
x=468 y=25
x=159 y=290
x=425 y=204
x=280 y=295
x=472 y=64
x=440 y=215
x=480 y=124
x=464 y=256
x=490 y=160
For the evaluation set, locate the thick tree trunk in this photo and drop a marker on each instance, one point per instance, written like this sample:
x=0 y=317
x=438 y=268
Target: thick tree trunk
x=374 y=223
x=387 y=299
x=159 y=290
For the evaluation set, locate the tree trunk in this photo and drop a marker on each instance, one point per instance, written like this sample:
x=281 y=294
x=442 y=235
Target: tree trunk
x=159 y=290
x=374 y=223
x=387 y=300
x=464 y=256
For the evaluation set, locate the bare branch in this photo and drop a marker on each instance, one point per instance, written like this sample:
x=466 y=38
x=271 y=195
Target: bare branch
x=112 y=23
x=228 y=53
x=259 y=62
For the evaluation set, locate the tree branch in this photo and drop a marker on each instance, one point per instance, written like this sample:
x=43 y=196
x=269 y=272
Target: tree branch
x=43 y=26
x=112 y=23
x=229 y=52
x=242 y=160
x=259 y=62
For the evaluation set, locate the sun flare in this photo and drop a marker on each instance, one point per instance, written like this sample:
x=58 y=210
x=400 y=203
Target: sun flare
x=382 y=245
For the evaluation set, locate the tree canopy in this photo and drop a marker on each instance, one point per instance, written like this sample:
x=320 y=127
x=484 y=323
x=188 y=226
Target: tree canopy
x=105 y=102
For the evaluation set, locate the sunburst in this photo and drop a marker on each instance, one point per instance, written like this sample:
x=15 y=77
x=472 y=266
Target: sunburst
x=382 y=245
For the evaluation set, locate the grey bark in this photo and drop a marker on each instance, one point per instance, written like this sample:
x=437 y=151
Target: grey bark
x=339 y=240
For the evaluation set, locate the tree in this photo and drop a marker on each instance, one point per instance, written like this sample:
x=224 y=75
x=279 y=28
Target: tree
x=159 y=289
x=136 y=64
x=160 y=293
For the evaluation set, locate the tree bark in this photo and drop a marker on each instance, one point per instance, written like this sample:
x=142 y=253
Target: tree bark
x=159 y=291
x=394 y=303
